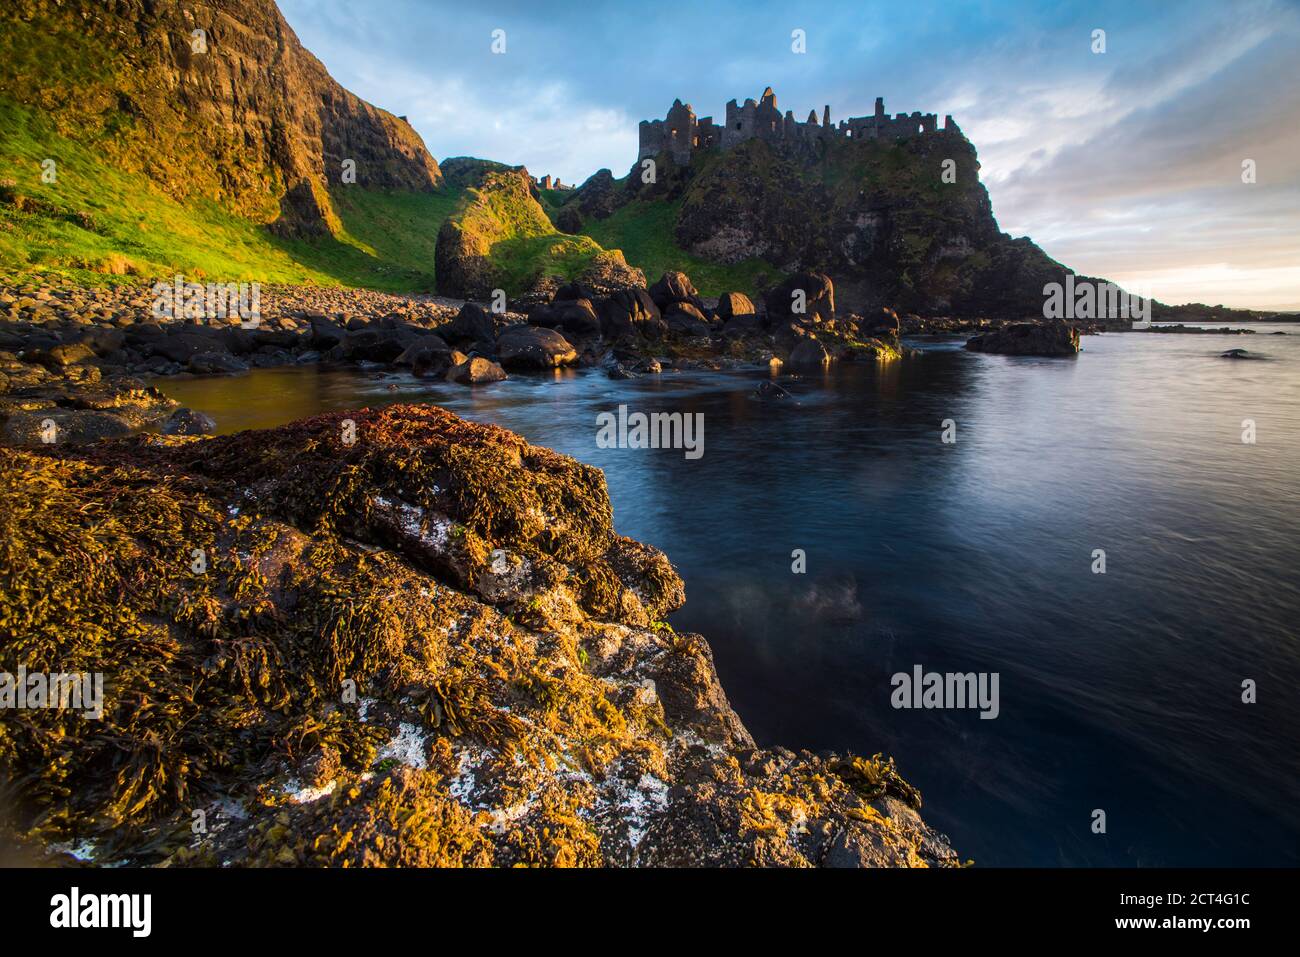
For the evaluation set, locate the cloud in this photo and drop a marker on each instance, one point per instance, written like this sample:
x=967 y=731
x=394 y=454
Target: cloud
x=1125 y=164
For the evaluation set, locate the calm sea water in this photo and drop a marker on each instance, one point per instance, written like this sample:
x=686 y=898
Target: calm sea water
x=1118 y=691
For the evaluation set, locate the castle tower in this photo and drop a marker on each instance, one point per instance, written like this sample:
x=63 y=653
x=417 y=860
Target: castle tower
x=679 y=132
x=768 y=123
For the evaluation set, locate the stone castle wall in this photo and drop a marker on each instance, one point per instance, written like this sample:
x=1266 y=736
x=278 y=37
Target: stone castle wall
x=681 y=133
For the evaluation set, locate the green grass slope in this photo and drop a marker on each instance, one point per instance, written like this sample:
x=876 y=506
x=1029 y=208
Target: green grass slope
x=97 y=222
x=500 y=237
x=643 y=230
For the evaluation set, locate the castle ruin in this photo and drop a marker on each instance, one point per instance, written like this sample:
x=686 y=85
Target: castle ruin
x=681 y=134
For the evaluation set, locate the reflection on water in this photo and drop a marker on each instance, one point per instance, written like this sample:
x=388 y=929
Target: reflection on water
x=1119 y=691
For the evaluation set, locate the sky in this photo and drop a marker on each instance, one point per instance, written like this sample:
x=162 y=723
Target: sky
x=1125 y=164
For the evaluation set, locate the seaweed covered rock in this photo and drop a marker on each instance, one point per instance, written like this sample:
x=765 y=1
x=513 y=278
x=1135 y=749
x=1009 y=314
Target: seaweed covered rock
x=382 y=638
x=76 y=406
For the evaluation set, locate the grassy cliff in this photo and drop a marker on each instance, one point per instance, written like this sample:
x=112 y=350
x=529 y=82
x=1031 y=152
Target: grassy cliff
x=98 y=221
x=129 y=149
x=500 y=237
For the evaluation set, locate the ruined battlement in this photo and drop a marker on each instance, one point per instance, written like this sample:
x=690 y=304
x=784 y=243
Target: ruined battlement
x=680 y=133
x=547 y=182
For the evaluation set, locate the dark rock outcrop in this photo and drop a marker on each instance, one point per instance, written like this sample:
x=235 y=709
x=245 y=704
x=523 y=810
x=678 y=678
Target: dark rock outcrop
x=1055 y=338
x=631 y=312
x=802 y=297
x=674 y=287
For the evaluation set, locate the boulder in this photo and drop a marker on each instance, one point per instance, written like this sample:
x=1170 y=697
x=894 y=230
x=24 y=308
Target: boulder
x=425 y=353
x=189 y=422
x=768 y=389
x=809 y=354
x=531 y=347
x=140 y=333
x=630 y=312
x=739 y=326
x=674 y=287
x=572 y=291
x=476 y=370
x=375 y=344
x=1052 y=338
x=734 y=304
x=686 y=319
x=473 y=324
x=103 y=340
x=325 y=334
x=577 y=317
x=546 y=315
x=67 y=354
x=183 y=346
x=884 y=325
x=216 y=363
x=818 y=299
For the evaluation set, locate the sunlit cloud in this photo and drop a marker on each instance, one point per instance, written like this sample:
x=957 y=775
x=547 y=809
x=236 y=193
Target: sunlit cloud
x=1125 y=164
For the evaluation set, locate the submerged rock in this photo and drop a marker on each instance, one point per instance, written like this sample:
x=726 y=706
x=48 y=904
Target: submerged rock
x=410 y=640
x=189 y=422
x=770 y=390
x=809 y=354
x=1055 y=338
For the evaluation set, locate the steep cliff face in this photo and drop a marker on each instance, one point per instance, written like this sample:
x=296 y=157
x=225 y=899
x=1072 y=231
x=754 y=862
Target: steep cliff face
x=879 y=216
x=214 y=100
